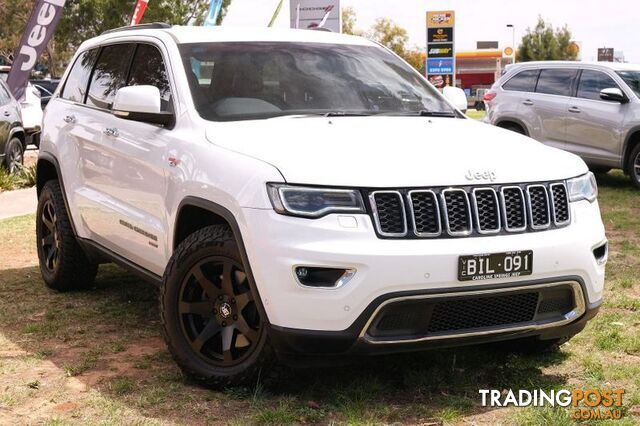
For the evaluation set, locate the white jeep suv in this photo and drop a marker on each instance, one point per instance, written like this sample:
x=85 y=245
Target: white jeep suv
x=304 y=195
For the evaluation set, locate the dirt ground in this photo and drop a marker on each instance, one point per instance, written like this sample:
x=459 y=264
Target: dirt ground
x=96 y=357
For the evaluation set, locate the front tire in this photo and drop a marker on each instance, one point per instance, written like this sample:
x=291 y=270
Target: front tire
x=211 y=322
x=63 y=264
x=634 y=166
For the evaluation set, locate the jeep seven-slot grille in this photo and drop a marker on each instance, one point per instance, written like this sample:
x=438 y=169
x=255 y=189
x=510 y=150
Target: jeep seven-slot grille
x=469 y=211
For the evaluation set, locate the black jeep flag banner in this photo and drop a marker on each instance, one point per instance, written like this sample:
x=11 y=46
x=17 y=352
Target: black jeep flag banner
x=39 y=29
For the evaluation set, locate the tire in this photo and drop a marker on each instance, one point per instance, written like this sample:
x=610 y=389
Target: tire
x=600 y=170
x=210 y=320
x=634 y=166
x=63 y=264
x=14 y=155
x=514 y=128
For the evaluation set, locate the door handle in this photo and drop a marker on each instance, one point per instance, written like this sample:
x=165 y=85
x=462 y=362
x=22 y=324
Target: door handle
x=527 y=102
x=574 y=110
x=111 y=131
x=70 y=119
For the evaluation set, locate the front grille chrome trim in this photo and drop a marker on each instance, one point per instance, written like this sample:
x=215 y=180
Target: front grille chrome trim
x=530 y=207
x=413 y=216
x=374 y=210
x=445 y=213
x=477 y=212
x=578 y=310
x=504 y=209
x=553 y=204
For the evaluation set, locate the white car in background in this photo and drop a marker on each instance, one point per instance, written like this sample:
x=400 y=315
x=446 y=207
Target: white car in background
x=310 y=196
x=31 y=110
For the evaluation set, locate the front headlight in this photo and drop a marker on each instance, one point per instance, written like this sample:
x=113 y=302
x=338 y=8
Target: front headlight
x=583 y=188
x=314 y=202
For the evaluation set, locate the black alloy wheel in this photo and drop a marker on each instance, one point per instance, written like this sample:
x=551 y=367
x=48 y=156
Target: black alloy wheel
x=15 y=155
x=49 y=240
x=218 y=315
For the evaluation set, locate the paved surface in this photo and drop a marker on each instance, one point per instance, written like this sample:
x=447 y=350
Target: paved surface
x=18 y=203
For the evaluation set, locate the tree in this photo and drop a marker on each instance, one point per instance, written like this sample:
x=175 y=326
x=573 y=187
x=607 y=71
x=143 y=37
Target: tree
x=389 y=34
x=83 y=19
x=543 y=43
x=14 y=15
x=349 y=21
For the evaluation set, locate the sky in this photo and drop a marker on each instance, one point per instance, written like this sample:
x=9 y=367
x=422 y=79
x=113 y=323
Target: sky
x=611 y=23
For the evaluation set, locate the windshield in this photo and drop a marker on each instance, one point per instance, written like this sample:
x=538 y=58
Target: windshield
x=632 y=78
x=240 y=81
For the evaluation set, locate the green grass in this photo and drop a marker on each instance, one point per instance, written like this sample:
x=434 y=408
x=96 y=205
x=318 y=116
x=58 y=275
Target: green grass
x=476 y=115
x=111 y=334
x=23 y=178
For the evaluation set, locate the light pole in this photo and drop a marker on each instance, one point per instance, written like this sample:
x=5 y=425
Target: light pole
x=513 y=40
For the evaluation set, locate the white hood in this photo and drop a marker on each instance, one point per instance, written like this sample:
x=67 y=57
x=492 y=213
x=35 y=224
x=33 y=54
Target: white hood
x=394 y=151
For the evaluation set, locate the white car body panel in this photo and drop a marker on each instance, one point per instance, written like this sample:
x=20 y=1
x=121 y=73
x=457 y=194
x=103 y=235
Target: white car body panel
x=357 y=151
x=131 y=178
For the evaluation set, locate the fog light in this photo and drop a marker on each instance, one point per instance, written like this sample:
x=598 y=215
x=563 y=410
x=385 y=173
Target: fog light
x=601 y=253
x=302 y=273
x=310 y=276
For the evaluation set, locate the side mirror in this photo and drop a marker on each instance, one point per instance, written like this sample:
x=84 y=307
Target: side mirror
x=456 y=96
x=613 y=94
x=141 y=103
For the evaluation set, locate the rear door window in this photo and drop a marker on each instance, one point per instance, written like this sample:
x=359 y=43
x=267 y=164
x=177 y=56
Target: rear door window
x=148 y=69
x=109 y=74
x=592 y=82
x=75 y=88
x=556 y=81
x=524 y=81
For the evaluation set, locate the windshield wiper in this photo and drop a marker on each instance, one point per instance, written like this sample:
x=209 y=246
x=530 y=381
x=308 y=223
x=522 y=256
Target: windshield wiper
x=346 y=114
x=426 y=113
x=421 y=113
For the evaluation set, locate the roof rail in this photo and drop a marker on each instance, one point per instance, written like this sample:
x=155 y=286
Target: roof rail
x=153 y=25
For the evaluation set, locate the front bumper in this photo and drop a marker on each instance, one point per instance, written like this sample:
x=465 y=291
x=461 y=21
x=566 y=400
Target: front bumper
x=297 y=346
x=275 y=244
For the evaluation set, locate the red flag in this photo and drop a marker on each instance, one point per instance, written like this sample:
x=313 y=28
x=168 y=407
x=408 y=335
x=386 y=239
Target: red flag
x=141 y=6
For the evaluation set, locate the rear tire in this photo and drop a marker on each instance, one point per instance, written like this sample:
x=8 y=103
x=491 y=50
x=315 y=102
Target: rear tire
x=514 y=128
x=211 y=322
x=14 y=155
x=600 y=170
x=63 y=263
x=634 y=166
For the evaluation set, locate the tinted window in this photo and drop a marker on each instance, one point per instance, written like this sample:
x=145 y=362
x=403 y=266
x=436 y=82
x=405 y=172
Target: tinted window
x=592 y=82
x=632 y=78
x=109 y=74
x=556 y=81
x=236 y=81
x=148 y=69
x=524 y=81
x=76 y=86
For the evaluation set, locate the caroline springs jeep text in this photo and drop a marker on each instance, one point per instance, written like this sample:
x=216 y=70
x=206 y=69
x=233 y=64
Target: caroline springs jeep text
x=304 y=195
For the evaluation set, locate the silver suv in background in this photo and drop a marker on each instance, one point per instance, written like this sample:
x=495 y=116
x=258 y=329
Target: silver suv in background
x=589 y=109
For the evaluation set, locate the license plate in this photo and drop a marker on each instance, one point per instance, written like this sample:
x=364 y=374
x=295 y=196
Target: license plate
x=495 y=265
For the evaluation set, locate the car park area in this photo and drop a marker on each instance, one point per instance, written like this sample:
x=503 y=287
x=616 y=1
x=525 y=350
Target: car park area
x=316 y=220
x=97 y=356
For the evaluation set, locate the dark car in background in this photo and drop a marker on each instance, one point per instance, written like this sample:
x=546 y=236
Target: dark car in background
x=12 y=135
